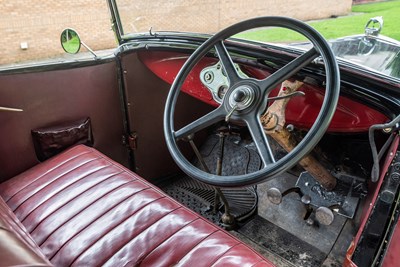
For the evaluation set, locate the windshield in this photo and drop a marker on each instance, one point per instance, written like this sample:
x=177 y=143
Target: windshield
x=335 y=22
x=207 y=16
x=178 y=16
x=380 y=54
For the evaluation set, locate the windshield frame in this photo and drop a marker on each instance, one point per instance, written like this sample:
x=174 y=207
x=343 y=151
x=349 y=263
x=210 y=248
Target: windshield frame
x=116 y=23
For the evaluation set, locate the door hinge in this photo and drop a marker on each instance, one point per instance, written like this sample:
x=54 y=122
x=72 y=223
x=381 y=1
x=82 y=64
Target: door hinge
x=130 y=140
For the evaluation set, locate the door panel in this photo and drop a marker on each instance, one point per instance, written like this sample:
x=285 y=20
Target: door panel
x=50 y=98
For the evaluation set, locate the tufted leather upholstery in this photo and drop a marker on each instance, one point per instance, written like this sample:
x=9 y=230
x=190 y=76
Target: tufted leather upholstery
x=83 y=209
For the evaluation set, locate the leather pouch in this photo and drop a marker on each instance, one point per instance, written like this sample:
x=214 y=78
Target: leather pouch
x=49 y=141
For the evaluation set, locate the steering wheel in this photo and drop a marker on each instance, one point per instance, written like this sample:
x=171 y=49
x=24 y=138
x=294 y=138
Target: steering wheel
x=250 y=95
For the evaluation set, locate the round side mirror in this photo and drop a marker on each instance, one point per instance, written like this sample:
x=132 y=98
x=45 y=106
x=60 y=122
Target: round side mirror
x=70 y=41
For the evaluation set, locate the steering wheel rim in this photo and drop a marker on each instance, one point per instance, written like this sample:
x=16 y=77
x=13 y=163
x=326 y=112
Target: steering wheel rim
x=270 y=169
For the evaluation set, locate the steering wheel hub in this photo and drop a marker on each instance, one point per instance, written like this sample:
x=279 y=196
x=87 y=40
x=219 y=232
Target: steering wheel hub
x=241 y=97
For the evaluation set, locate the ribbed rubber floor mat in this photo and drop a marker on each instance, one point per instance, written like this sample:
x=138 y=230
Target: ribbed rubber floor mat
x=239 y=158
x=200 y=198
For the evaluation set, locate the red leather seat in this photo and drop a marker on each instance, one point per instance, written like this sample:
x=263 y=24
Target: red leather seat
x=83 y=209
x=16 y=245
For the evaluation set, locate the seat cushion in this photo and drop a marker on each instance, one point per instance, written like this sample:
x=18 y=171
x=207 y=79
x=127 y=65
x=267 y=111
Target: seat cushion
x=83 y=209
x=16 y=245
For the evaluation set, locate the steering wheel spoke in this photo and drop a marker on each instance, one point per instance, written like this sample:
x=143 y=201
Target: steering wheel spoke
x=260 y=140
x=284 y=73
x=214 y=116
x=227 y=62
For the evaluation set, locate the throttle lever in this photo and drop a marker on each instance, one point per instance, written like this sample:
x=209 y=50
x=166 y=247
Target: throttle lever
x=296 y=93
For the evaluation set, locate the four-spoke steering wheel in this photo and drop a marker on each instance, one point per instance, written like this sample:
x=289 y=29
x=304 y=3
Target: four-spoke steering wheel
x=247 y=98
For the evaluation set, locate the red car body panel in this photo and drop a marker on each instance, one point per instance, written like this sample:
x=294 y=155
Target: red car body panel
x=350 y=116
x=394 y=247
x=392 y=254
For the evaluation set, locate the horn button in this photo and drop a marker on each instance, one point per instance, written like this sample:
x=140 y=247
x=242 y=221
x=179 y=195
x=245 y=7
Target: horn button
x=241 y=98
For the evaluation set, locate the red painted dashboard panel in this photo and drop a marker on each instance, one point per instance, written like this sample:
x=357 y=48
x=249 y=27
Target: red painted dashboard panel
x=350 y=116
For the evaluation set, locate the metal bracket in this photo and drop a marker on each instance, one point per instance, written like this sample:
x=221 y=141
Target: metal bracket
x=344 y=197
x=130 y=141
x=214 y=78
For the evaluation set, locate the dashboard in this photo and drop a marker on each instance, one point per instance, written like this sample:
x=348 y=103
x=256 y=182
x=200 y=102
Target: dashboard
x=350 y=116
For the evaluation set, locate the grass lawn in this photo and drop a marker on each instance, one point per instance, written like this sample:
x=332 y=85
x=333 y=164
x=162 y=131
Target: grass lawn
x=339 y=27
